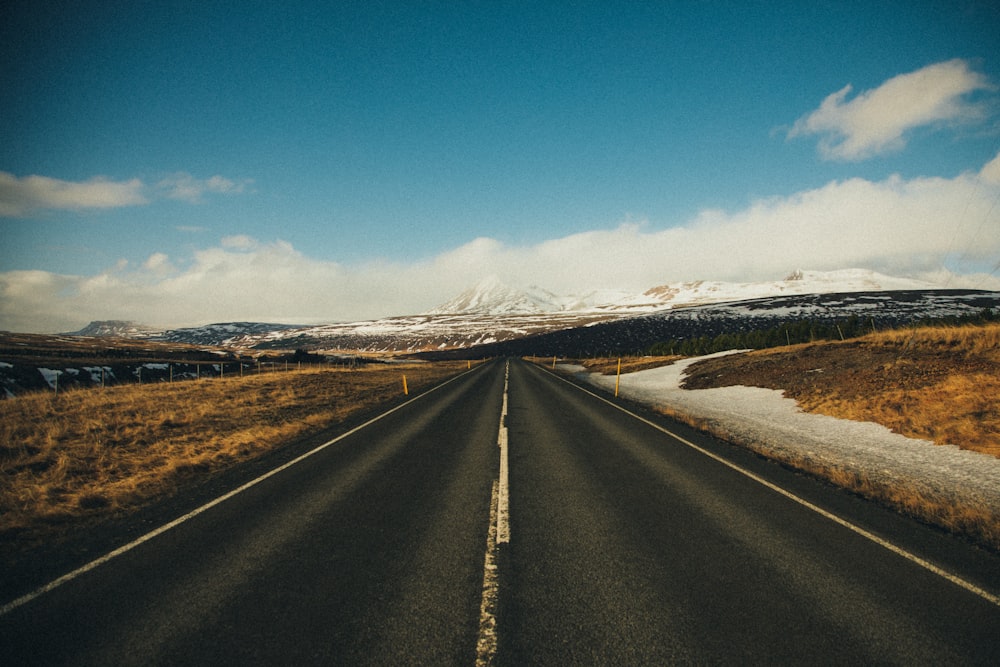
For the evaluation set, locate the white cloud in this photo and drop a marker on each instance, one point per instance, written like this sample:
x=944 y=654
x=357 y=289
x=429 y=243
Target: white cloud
x=240 y=241
x=26 y=195
x=19 y=196
x=876 y=120
x=922 y=228
x=186 y=187
x=158 y=264
x=990 y=173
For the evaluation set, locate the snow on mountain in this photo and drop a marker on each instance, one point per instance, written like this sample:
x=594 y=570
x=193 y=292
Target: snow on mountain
x=700 y=292
x=491 y=297
x=225 y=333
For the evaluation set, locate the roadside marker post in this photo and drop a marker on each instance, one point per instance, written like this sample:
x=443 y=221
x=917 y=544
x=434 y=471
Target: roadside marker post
x=406 y=391
x=618 y=376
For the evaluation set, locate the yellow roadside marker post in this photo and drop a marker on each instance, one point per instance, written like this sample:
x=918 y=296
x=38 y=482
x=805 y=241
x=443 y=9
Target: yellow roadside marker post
x=619 y=376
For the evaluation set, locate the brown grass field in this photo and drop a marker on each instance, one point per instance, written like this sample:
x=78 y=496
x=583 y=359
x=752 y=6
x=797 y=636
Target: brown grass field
x=94 y=452
x=940 y=384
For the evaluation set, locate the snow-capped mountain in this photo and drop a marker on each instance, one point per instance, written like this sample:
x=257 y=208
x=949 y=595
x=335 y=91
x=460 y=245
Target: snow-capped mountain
x=493 y=297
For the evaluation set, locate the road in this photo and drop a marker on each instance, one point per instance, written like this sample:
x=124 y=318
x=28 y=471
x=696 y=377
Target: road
x=626 y=545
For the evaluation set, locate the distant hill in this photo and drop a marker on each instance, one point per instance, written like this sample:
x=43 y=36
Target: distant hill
x=116 y=329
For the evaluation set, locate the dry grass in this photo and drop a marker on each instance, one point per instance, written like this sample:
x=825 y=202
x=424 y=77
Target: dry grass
x=966 y=341
x=959 y=409
x=98 y=451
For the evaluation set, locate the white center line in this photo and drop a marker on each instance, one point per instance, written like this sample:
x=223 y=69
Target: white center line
x=503 y=500
x=498 y=533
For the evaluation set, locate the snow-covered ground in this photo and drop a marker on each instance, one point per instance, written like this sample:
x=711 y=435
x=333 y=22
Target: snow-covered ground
x=768 y=422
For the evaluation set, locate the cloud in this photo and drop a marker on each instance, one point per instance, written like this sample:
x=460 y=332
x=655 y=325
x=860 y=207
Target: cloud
x=19 y=196
x=876 y=120
x=240 y=241
x=28 y=194
x=159 y=264
x=945 y=230
x=186 y=187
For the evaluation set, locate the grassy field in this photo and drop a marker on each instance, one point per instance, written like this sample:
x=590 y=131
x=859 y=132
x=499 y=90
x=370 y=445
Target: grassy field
x=90 y=452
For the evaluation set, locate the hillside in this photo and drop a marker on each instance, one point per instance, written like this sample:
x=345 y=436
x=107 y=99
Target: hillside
x=636 y=334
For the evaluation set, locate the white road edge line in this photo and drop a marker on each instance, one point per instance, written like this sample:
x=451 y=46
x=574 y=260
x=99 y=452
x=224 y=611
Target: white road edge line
x=930 y=567
x=69 y=576
x=497 y=534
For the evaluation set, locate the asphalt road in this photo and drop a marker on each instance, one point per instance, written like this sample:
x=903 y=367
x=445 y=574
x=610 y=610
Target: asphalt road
x=627 y=546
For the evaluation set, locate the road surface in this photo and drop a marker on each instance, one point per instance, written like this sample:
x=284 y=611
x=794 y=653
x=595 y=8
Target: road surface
x=626 y=546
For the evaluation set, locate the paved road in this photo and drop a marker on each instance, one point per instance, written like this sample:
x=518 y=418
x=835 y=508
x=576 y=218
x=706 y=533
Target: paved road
x=626 y=546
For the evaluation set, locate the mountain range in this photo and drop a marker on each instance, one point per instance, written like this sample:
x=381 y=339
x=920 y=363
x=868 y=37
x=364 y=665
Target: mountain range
x=492 y=312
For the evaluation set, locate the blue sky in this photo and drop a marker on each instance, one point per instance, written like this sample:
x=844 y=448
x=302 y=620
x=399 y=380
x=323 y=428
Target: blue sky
x=190 y=162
